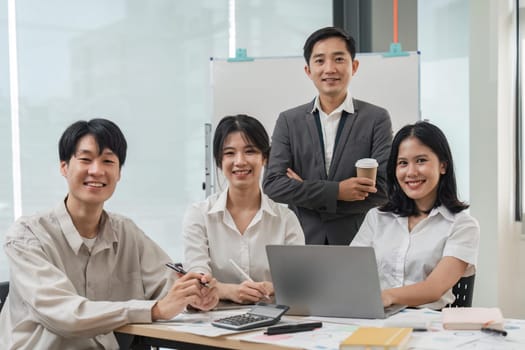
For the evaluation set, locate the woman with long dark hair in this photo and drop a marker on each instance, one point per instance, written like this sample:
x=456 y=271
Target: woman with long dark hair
x=424 y=239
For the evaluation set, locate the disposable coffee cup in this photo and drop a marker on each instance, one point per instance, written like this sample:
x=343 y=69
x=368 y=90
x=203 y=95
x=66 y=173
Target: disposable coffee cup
x=367 y=167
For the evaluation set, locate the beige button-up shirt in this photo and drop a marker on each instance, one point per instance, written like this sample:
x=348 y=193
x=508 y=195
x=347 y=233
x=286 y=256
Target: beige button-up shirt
x=63 y=297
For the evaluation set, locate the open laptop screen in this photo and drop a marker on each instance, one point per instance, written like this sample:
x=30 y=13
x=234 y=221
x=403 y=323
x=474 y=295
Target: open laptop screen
x=322 y=280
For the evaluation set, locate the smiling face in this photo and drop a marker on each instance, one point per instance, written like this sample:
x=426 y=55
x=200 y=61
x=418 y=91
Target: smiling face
x=91 y=177
x=418 y=171
x=242 y=162
x=331 y=68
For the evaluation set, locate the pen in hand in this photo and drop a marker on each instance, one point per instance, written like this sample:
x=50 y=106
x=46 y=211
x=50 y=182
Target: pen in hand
x=178 y=267
x=245 y=275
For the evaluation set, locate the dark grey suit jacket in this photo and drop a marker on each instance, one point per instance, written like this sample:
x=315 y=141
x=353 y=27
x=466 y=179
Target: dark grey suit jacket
x=367 y=133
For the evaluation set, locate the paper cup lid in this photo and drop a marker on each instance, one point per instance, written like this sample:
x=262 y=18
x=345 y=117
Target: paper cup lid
x=366 y=163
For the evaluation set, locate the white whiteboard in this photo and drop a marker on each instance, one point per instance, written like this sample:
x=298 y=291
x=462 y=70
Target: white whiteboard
x=265 y=87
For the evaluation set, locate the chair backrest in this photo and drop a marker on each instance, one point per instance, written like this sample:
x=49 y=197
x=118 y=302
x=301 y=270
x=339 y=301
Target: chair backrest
x=4 y=290
x=463 y=291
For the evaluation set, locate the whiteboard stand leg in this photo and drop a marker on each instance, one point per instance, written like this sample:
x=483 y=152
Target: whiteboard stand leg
x=208 y=164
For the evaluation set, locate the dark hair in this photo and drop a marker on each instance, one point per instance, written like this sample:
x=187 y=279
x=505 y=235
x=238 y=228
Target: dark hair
x=249 y=127
x=106 y=133
x=432 y=137
x=325 y=33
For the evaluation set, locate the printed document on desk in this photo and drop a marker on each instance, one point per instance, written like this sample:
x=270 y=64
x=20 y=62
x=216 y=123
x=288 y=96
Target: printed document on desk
x=327 y=337
x=436 y=338
x=419 y=319
x=515 y=339
x=413 y=318
x=200 y=322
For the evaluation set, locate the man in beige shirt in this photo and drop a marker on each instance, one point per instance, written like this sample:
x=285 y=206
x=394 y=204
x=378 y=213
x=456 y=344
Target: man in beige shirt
x=78 y=272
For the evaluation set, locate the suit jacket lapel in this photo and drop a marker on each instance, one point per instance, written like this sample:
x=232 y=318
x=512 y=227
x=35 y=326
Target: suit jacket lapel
x=341 y=143
x=316 y=143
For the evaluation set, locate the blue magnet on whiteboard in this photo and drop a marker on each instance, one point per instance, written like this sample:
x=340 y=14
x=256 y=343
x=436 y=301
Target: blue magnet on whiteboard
x=240 y=56
x=395 y=51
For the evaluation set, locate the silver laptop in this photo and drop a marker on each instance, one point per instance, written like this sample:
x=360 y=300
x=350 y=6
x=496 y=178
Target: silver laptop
x=322 y=280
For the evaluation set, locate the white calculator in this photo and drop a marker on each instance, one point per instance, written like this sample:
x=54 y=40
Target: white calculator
x=260 y=315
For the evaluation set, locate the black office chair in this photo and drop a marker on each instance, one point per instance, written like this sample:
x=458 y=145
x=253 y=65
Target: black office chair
x=4 y=290
x=463 y=291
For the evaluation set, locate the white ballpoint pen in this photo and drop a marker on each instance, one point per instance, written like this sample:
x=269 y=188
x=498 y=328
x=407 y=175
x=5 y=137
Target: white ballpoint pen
x=245 y=275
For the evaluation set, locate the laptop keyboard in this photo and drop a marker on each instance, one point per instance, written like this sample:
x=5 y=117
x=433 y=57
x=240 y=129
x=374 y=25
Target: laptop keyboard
x=393 y=309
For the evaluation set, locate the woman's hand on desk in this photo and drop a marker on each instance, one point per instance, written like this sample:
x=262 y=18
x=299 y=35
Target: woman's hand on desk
x=246 y=292
x=253 y=292
x=187 y=290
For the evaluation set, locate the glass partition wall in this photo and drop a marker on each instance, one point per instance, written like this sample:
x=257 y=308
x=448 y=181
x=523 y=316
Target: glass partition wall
x=143 y=64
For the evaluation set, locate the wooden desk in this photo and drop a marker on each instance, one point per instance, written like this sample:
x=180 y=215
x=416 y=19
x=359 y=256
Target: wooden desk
x=161 y=335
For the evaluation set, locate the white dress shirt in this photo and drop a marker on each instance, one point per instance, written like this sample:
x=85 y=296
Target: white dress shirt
x=404 y=258
x=62 y=296
x=211 y=238
x=329 y=125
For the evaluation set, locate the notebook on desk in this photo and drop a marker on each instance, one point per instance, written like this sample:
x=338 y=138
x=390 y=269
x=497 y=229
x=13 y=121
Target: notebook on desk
x=333 y=281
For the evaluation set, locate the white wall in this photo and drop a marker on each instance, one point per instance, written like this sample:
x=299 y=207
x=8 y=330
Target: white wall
x=484 y=146
x=511 y=241
x=467 y=88
x=501 y=272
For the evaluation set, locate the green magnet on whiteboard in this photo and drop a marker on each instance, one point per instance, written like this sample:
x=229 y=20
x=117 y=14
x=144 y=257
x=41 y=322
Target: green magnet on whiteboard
x=395 y=51
x=240 y=56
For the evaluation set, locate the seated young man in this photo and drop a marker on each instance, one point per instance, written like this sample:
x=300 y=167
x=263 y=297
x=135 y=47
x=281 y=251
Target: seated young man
x=78 y=272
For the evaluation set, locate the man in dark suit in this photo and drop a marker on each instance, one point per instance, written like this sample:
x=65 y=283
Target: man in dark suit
x=315 y=146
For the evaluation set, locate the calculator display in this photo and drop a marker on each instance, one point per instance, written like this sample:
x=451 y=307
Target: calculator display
x=266 y=311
